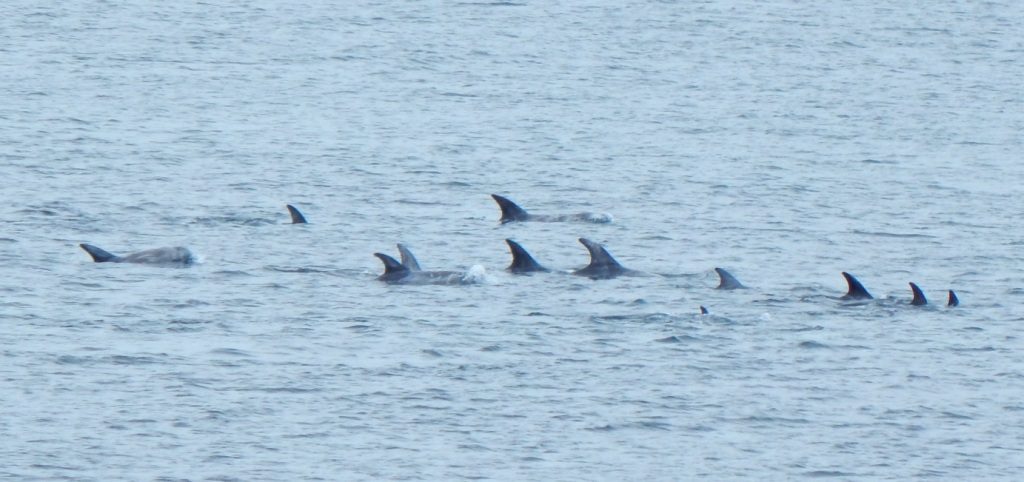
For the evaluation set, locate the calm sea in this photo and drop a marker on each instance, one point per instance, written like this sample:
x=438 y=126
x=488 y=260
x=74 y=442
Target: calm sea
x=785 y=141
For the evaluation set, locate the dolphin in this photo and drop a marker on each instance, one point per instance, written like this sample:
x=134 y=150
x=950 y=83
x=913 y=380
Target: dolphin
x=297 y=217
x=919 y=299
x=703 y=310
x=602 y=264
x=511 y=211
x=522 y=262
x=727 y=281
x=397 y=273
x=408 y=260
x=953 y=300
x=165 y=256
x=857 y=291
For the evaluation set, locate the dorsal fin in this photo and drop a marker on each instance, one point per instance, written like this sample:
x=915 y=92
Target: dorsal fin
x=953 y=300
x=392 y=268
x=297 y=217
x=98 y=255
x=727 y=281
x=857 y=290
x=510 y=211
x=703 y=310
x=408 y=260
x=522 y=262
x=599 y=257
x=919 y=299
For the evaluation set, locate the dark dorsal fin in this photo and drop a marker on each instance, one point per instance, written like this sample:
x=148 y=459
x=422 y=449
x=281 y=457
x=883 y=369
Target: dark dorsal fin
x=953 y=300
x=919 y=299
x=408 y=260
x=728 y=281
x=703 y=310
x=297 y=217
x=98 y=255
x=522 y=262
x=392 y=267
x=510 y=211
x=857 y=291
x=599 y=257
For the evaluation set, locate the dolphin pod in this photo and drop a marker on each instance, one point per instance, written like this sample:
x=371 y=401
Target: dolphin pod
x=408 y=271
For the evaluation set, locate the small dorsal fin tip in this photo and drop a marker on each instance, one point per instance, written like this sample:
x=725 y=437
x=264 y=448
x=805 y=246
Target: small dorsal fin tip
x=953 y=300
x=703 y=310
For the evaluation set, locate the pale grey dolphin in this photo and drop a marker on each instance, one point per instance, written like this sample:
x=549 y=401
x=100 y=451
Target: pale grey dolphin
x=167 y=256
x=602 y=264
x=408 y=260
x=297 y=217
x=510 y=212
x=727 y=281
x=397 y=273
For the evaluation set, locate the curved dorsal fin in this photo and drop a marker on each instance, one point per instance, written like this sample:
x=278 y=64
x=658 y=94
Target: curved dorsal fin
x=297 y=217
x=727 y=281
x=98 y=255
x=391 y=265
x=953 y=300
x=408 y=260
x=522 y=262
x=510 y=211
x=857 y=290
x=599 y=257
x=703 y=310
x=919 y=299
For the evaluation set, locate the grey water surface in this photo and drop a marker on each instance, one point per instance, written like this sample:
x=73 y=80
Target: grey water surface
x=784 y=141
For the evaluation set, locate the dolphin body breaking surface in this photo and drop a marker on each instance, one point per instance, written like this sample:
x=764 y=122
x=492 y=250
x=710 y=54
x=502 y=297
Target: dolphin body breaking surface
x=408 y=271
x=511 y=212
x=602 y=264
x=159 y=256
